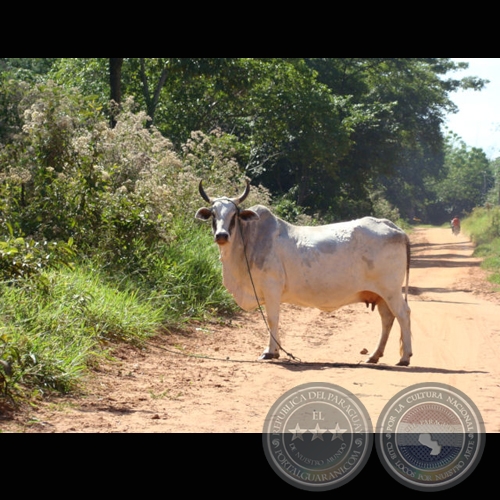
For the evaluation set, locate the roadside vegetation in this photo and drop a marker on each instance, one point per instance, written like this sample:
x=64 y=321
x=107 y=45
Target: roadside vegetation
x=483 y=226
x=98 y=242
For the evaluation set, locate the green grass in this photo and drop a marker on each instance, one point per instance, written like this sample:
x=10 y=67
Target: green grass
x=483 y=226
x=55 y=326
x=51 y=334
x=492 y=263
x=182 y=278
x=190 y=276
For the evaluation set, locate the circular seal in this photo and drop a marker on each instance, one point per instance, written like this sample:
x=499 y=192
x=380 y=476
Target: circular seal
x=317 y=436
x=430 y=437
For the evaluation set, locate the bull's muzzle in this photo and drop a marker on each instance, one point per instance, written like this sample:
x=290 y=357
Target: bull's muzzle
x=221 y=238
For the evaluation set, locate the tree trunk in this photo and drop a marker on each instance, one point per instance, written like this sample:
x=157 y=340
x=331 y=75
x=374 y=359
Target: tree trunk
x=152 y=101
x=115 y=81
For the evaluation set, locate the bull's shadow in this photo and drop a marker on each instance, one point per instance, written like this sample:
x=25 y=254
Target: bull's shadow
x=303 y=366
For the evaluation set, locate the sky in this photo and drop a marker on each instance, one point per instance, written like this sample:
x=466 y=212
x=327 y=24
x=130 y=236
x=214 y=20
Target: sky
x=478 y=119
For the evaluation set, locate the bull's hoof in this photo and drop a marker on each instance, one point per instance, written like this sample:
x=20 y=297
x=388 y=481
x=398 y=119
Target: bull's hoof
x=375 y=357
x=403 y=363
x=269 y=355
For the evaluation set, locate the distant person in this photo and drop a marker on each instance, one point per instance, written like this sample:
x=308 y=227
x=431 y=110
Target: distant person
x=455 y=225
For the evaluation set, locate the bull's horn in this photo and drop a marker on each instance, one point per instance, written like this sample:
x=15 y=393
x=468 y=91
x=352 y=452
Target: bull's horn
x=203 y=194
x=243 y=197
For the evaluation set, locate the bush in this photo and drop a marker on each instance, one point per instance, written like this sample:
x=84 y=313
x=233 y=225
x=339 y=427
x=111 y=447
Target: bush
x=483 y=225
x=21 y=258
x=288 y=210
x=119 y=204
x=68 y=174
x=383 y=209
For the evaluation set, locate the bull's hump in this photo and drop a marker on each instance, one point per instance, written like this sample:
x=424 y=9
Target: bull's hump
x=262 y=211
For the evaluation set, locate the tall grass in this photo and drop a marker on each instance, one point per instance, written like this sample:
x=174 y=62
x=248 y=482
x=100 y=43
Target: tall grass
x=189 y=273
x=50 y=334
x=483 y=226
x=182 y=278
x=53 y=329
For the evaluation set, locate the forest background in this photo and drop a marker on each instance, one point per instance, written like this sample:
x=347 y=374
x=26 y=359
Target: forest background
x=100 y=159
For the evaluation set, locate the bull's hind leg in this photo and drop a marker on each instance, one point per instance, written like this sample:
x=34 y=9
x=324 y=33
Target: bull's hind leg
x=387 y=322
x=397 y=308
x=402 y=311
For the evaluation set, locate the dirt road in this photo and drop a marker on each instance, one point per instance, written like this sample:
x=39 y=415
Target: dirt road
x=456 y=341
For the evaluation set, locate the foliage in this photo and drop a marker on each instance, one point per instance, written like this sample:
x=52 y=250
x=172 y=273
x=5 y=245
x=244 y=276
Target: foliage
x=382 y=208
x=119 y=201
x=399 y=142
x=88 y=74
x=287 y=209
x=21 y=258
x=467 y=180
x=11 y=94
x=483 y=225
x=493 y=197
x=51 y=334
x=185 y=278
x=28 y=69
x=68 y=175
x=325 y=129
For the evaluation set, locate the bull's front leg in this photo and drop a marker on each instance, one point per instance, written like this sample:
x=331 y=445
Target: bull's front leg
x=273 y=314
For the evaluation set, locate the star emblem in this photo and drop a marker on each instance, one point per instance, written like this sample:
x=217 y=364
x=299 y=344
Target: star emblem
x=297 y=432
x=337 y=432
x=317 y=433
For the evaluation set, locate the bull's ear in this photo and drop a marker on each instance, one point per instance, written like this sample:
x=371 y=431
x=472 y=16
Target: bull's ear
x=248 y=215
x=203 y=214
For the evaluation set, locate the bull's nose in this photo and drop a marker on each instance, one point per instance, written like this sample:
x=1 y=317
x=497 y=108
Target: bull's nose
x=221 y=238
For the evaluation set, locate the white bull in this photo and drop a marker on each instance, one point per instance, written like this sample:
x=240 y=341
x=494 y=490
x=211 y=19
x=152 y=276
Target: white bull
x=325 y=267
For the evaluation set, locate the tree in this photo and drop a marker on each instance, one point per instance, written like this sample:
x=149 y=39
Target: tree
x=147 y=77
x=469 y=177
x=115 y=78
x=31 y=69
x=115 y=82
x=324 y=132
x=400 y=143
x=494 y=195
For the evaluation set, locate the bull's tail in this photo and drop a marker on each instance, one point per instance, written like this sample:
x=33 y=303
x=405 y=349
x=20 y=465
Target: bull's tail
x=408 y=256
